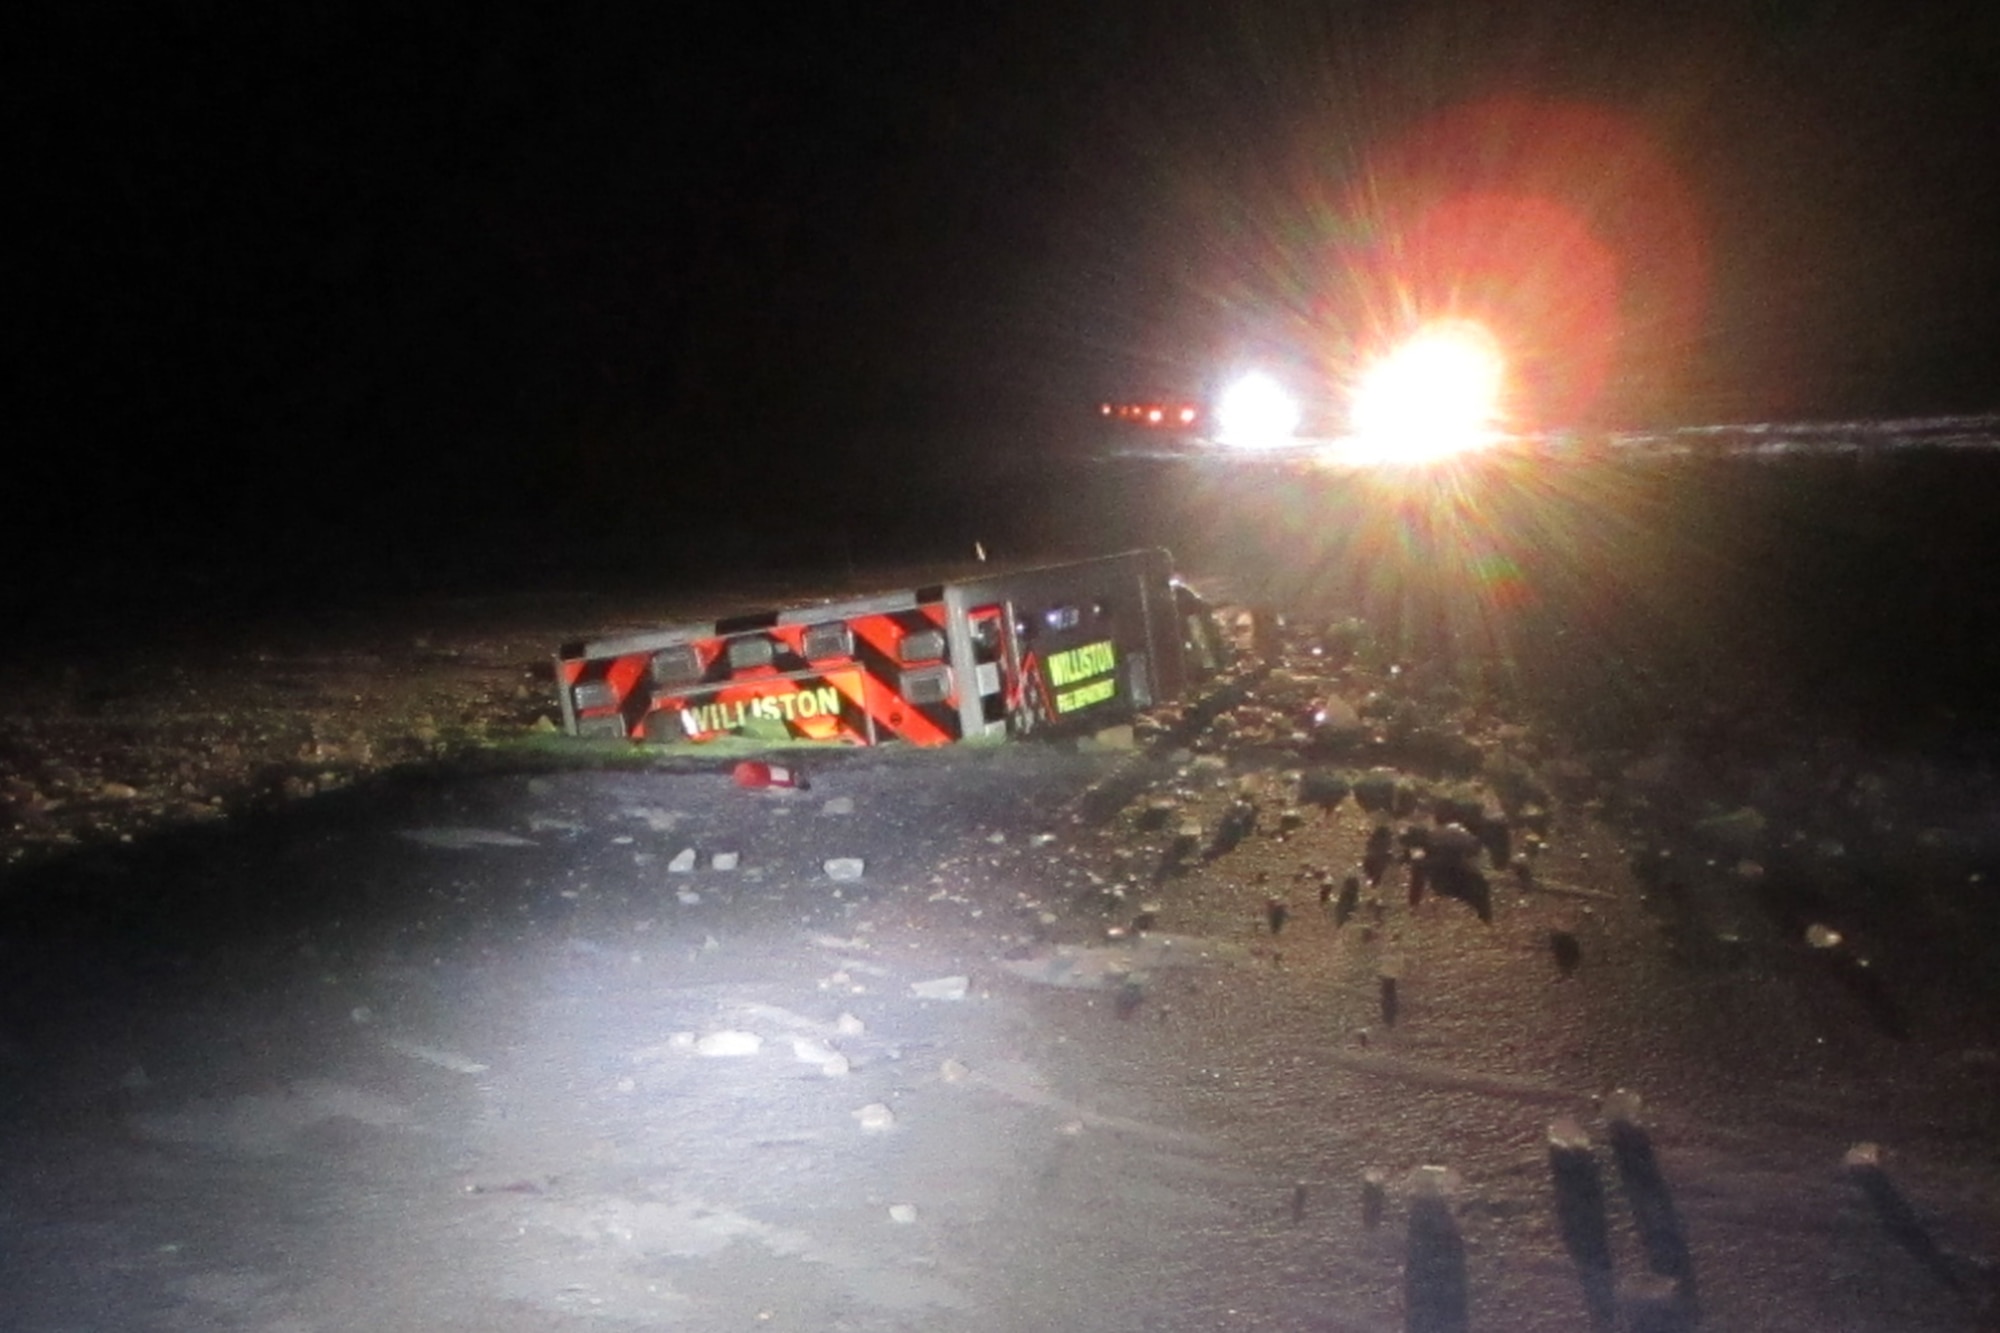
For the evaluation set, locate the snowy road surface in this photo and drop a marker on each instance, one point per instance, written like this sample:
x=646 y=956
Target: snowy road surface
x=471 y=1055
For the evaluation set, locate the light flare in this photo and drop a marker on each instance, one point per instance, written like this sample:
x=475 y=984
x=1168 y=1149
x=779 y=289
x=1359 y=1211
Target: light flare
x=1562 y=226
x=1256 y=413
x=1435 y=395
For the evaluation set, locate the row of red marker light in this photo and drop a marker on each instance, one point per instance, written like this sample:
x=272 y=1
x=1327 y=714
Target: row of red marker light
x=1151 y=414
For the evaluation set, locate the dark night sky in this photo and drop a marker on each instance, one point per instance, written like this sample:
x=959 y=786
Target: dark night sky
x=307 y=260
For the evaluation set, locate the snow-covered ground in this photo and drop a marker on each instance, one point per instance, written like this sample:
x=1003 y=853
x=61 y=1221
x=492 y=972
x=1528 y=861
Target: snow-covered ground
x=471 y=1052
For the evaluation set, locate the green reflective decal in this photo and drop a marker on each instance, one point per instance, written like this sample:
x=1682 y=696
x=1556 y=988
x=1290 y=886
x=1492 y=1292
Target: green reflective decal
x=1097 y=692
x=1075 y=664
x=1080 y=677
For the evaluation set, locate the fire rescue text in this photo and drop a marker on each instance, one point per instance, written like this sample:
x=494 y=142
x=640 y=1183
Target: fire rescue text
x=1077 y=667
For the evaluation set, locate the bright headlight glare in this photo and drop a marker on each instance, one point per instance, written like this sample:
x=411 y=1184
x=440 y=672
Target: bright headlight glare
x=1255 y=412
x=1434 y=395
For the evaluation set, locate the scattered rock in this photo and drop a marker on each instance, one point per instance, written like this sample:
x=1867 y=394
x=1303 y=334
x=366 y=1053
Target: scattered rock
x=1374 y=1196
x=941 y=988
x=1349 y=900
x=1434 y=1182
x=1186 y=838
x=1375 y=859
x=654 y=818
x=1120 y=737
x=1323 y=788
x=1455 y=879
x=1237 y=823
x=1335 y=719
x=729 y=1043
x=1566 y=1135
x=1454 y=841
x=1375 y=790
x=1568 y=953
x=811 y=1051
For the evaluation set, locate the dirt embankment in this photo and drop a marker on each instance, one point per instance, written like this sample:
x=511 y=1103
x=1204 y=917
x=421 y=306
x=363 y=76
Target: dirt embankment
x=106 y=745
x=112 y=731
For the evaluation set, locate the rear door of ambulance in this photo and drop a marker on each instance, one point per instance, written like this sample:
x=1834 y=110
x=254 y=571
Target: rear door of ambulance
x=865 y=671
x=1067 y=648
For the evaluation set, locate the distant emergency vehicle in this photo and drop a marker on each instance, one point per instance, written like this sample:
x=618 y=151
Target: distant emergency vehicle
x=1156 y=414
x=1059 y=649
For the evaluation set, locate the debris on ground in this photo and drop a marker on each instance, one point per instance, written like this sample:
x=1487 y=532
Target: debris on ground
x=1445 y=838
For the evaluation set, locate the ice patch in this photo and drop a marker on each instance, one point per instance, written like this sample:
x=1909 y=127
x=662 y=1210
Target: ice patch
x=1101 y=967
x=456 y=1063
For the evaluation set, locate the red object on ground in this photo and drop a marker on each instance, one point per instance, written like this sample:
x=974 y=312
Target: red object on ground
x=757 y=773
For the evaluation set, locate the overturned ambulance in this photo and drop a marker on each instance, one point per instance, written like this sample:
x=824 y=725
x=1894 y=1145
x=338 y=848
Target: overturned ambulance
x=1049 y=651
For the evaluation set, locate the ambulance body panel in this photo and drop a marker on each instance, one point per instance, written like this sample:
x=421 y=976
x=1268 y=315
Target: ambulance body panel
x=1048 y=651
